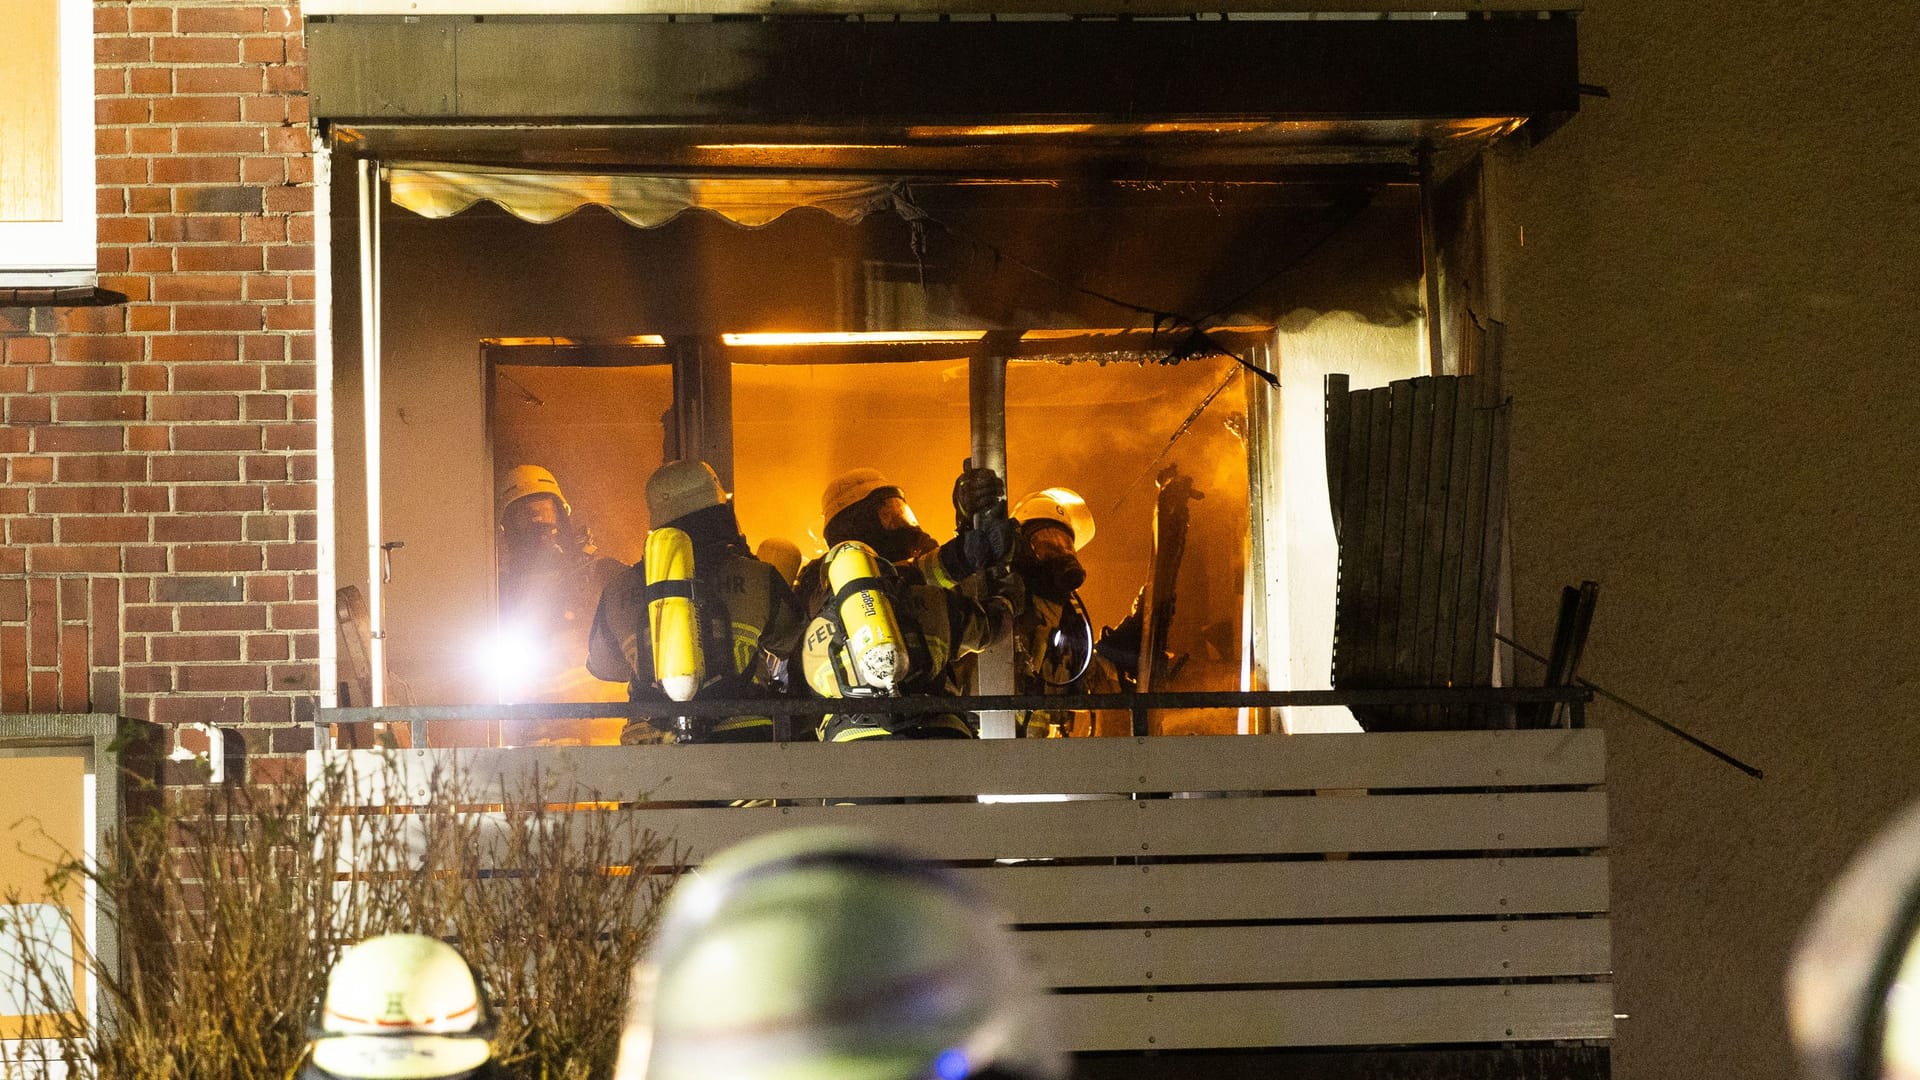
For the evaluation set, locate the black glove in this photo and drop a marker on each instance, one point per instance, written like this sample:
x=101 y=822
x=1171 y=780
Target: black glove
x=976 y=491
x=1121 y=644
x=987 y=546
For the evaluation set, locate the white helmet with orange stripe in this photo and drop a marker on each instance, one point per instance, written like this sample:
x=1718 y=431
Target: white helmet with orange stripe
x=401 y=1007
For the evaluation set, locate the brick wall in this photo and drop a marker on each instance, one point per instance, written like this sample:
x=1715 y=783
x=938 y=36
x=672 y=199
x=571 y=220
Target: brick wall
x=158 y=455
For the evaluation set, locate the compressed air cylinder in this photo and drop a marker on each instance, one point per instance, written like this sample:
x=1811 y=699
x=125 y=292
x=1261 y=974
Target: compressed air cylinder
x=879 y=650
x=672 y=624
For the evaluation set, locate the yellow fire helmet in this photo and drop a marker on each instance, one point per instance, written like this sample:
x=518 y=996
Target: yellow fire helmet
x=524 y=480
x=401 y=1007
x=817 y=954
x=679 y=488
x=1063 y=505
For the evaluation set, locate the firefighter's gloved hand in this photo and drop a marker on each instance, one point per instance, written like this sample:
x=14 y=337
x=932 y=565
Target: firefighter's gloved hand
x=986 y=546
x=1121 y=644
x=975 y=492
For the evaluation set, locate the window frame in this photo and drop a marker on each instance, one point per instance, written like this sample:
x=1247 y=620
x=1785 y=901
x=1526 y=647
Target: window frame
x=63 y=252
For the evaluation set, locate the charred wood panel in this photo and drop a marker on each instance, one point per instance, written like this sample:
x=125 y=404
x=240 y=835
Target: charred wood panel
x=1418 y=469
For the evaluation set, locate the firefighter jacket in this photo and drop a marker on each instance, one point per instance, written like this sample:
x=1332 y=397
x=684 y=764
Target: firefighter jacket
x=745 y=611
x=941 y=626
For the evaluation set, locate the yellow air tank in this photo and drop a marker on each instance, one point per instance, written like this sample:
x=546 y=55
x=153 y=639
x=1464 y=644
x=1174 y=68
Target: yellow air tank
x=672 y=623
x=878 y=649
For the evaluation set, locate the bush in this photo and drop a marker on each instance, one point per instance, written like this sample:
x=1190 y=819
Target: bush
x=230 y=904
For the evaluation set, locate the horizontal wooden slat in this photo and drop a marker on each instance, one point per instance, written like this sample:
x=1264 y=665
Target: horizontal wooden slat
x=1161 y=827
x=876 y=768
x=1345 y=1016
x=1319 y=953
x=1355 y=888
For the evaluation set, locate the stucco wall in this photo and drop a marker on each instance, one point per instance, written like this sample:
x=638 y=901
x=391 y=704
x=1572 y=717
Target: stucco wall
x=1711 y=359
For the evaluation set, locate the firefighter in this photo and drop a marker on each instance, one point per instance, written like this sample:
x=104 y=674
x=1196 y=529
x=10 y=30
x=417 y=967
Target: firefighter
x=875 y=611
x=1055 y=650
x=402 y=1007
x=862 y=504
x=815 y=954
x=550 y=579
x=721 y=612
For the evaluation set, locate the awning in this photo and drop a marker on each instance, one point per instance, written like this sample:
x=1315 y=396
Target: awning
x=645 y=201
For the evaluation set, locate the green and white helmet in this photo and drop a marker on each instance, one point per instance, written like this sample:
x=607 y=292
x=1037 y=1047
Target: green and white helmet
x=818 y=954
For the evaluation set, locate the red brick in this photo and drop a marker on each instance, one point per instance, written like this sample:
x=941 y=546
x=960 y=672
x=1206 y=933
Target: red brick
x=13 y=560
x=109 y=20
x=268 y=588
x=150 y=80
x=199 y=229
x=106 y=319
x=220 y=677
x=28 y=350
x=269 y=771
x=295 y=677
x=218 y=317
x=264 y=406
x=267 y=287
x=261 y=170
x=69 y=408
x=265 y=230
x=206 y=169
x=102 y=468
x=121 y=110
x=267 y=467
x=41 y=637
x=217 y=437
x=59 y=439
x=288 y=79
x=120 y=171
x=195 y=347
x=13 y=600
x=221 y=617
x=264 y=108
x=300 y=347
x=268 y=647
x=292 y=316
x=295 y=616
x=105 y=619
x=223 y=257
x=294 y=556
x=291 y=257
x=289 y=200
x=112 y=350
x=149 y=260
x=73 y=668
x=292 y=496
x=216 y=377
x=289 y=140
x=301 y=285
x=218 y=80
x=121 y=50
x=236 y=19
x=148 y=678
x=202 y=528
x=269 y=528
x=92 y=529
x=151 y=142
x=222 y=558
x=124 y=230
x=191 y=468
x=73 y=559
x=145 y=560
x=300 y=170
x=149 y=318
x=148 y=438
x=232 y=497
x=110 y=200
x=132 y=286
x=29 y=530
x=263 y=50
x=79 y=500
x=197 y=286
x=202 y=50
x=29 y=410
x=31 y=470
x=149 y=499
x=43 y=690
x=152 y=18
x=14 y=441
x=195 y=647
x=264 y=349
x=195 y=407
x=66 y=378
x=289 y=377
x=13 y=380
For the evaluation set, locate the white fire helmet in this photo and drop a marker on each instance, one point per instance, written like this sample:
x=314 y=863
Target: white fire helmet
x=1063 y=505
x=817 y=954
x=401 y=1007
x=524 y=480
x=679 y=488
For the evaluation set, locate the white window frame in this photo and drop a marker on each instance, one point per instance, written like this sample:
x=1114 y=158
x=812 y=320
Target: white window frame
x=63 y=253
